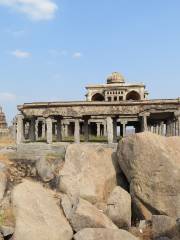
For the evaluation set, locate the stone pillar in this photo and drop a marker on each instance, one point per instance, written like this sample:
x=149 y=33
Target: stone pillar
x=104 y=130
x=43 y=129
x=66 y=130
x=144 y=126
x=49 y=130
x=114 y=130
x=98 y=126
x=59 y=130
x=168 y=128
x=86 y=130
x=20 y=129
x=36 y=129
x=162 y=128
x=178 y=125
x=77 y=131
x=123 y=128
x=32 y=133
x=109 y=129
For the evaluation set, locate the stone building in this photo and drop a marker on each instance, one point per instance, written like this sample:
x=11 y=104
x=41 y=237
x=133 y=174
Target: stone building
x=116 y=89
x=109 y=110
x=3 y=123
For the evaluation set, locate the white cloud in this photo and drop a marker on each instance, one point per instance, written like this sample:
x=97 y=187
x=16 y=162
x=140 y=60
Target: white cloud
x=21 y=54
x=34 y=9
x=77 y=55
x=7 y=97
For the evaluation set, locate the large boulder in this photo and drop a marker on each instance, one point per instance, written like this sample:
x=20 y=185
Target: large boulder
x=164 y=226
x=151 y=164
x=90 y=170
x=82 y=214
x=37 y=214
x=119 y=207
x=103 y=234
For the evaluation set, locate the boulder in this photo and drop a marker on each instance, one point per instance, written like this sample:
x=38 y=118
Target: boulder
x=151 y=164
x=83 y=214
x=90 y=170
x=119 y=207
x=37 y=214
x=3 y=179
x=103 y=234
x=164 y=226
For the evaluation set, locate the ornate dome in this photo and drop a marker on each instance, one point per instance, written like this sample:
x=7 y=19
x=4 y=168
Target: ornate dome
x=115 y=77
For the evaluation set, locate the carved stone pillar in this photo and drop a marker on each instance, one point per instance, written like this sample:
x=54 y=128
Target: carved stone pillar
x=49 y=130
x=109 y=130
x=32 y=133
x=43 y=129
x=77 y=131
x=162 y=128
x=144 y=125
x=86 y=130
x=66 y=130
x=59 y=130
x=114 y=130
x=98 y=125
x=104 y=129
x=37 y=129
x=178 y=124
x=20 y=129
x=123 y=128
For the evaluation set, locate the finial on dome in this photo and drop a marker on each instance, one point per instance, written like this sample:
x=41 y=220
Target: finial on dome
x=115 y=77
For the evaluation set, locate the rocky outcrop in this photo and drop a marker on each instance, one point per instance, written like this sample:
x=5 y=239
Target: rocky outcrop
x=85 y=215
x=119 y=207
x=90 y=170
x=164 y=226
x=151 y=164
x=103 y=234
x=37 y=215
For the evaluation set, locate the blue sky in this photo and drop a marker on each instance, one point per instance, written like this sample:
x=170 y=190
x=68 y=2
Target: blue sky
x=51 y=49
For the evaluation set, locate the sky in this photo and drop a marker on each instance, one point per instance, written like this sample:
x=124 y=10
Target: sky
x=51 y=49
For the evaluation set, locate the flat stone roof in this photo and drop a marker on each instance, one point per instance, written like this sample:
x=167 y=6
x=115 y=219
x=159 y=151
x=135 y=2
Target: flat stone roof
x=121 y=85
x=100 y=103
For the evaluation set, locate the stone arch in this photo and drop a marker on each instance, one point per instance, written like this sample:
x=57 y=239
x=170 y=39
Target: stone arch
x=97 y=97
x=133 y=95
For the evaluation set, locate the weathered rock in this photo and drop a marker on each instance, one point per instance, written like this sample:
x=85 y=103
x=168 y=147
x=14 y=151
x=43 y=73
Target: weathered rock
x=83 y=214
x=6 y=230
x=119 y=207
x=164 y=226
x=151 y=164
x=90 y=170
x=39 y=160
x=37 y=215
x=3 y=179
x=103 y=234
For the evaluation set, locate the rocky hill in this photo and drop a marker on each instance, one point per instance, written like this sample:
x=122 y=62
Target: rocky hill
x=91 y=191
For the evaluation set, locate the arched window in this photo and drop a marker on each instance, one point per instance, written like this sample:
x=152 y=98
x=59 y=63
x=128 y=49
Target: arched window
x=133 y=95
x=97 y=97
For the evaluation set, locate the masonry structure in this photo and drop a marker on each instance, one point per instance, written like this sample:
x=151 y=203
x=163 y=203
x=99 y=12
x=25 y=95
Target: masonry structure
x=109 y=110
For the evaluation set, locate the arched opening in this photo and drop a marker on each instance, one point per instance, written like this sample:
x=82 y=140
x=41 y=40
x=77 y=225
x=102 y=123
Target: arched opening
x=97 y=97
x=133 y=95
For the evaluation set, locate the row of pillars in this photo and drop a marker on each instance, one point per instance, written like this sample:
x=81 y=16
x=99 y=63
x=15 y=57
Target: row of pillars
x=110 y=129
x=170 y=128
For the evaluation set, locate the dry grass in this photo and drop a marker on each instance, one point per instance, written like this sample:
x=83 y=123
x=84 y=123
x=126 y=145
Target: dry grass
x=146 y=234
x=6 y=141
x=7 y=217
